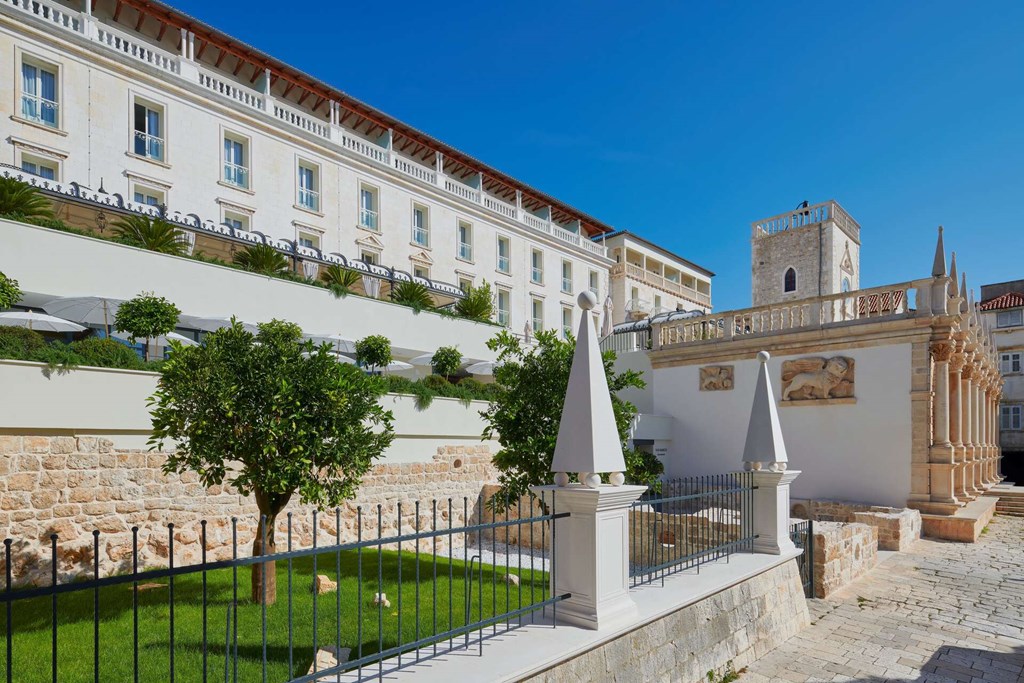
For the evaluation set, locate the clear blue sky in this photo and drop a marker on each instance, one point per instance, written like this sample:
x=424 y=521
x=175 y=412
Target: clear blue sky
x=684 y=122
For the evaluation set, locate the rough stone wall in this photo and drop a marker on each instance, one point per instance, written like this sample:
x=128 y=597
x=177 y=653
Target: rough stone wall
x=774 y=254
x=842 y=553
x=737 y=625
x=898 y=528
x=70 y=486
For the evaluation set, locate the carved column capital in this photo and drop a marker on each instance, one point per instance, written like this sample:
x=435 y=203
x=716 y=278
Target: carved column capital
x=942 y=351
x=957 y=363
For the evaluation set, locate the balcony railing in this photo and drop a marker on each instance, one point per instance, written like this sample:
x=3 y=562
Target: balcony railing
x=368 y=218
x=236 y=175
x=136 y=48
x=40 y=110
x=149 y=146
x=537 y=275
x=465 y=251
x=567 y=284
x=638 y=273
x=804 y=216
x=504 y=265
x=309 y=199
x=420 y=236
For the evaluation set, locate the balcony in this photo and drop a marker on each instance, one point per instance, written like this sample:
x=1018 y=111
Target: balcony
x=149 y=146
x=40 y=110
x=803 y=216
x=135 y=48
x=236 y=175
x=635 y=272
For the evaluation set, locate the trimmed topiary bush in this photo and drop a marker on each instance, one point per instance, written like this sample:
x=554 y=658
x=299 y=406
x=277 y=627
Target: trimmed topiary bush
x=19 y=343
x=105 y=353
x=374 y=351
x=446 y=361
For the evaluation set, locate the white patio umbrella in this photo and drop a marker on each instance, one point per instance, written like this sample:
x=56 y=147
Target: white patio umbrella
x=341 y=358
x=606 y=324
x=371 y=286
x=341 y=344
x=426 y=360
x=396 y=366
x=164 y=339
x=209 y=324
x=485 y=368
x=528 y=332
x=39 y=322
x=88 y=310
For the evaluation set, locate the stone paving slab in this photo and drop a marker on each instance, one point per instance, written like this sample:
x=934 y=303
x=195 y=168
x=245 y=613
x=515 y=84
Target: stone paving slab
x=941 y=612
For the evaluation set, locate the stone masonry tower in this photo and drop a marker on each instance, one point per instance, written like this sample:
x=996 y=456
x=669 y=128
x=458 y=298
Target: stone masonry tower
x=811 y=251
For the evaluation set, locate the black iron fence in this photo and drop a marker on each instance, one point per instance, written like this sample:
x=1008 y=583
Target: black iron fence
x=390 y=600
x=689 y=522
x=802 y=534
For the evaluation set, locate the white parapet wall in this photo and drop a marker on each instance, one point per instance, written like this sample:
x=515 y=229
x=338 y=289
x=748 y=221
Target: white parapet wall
x=53 y=263
x=112 y=404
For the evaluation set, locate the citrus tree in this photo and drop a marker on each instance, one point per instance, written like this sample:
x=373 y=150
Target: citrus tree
x=275 y=417
x=10 y=291
x=446 y=361
x=374 y=351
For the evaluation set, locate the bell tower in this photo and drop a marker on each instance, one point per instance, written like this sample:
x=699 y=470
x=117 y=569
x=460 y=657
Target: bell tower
x=810 y=251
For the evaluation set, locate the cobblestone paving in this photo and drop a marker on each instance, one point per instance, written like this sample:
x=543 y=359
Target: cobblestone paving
x=940 y=613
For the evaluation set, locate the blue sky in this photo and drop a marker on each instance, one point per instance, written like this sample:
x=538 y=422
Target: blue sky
x=684 y=122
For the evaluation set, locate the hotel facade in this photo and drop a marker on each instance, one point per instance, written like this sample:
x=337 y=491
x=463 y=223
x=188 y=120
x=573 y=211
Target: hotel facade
x=161 y=113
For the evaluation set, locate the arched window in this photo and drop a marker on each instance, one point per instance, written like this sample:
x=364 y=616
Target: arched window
x=790 y=281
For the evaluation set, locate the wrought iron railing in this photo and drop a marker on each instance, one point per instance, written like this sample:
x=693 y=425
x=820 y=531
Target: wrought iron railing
x=690 y=522
x=802 y=535
x=429 y=587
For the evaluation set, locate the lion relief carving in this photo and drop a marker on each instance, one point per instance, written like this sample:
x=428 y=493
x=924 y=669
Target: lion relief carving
x=817 y=378
x=716 y=378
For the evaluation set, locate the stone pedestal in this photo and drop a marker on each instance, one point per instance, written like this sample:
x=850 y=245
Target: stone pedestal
x=771 y=511
x=590 y=553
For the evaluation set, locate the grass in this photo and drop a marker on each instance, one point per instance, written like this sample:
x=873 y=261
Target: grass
x=31 y=619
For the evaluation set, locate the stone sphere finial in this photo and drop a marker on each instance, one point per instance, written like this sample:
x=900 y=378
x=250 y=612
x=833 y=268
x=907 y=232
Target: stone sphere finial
x=763 y=356
x=586 y=300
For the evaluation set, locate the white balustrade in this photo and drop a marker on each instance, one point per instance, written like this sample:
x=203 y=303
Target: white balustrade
x=498 y=206
x=803 y=216
x=536 y=222
x=427 y=175
x=298 y=119
x=565 y=235
x=49 y=12
x=460 y=190
x=246 y=96
x=364 y=148
x=136 y=49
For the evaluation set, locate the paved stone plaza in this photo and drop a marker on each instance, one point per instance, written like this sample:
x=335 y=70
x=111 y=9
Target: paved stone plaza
x=938 y=613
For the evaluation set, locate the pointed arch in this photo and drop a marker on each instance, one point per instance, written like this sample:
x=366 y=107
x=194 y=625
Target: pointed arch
x=789 y=280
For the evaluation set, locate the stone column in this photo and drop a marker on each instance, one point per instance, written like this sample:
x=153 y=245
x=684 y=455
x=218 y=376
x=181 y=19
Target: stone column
x=979 y=434
x=956 y=366
x=771 y=511
x=590 y=553
x=941 y=466
x=967 y=426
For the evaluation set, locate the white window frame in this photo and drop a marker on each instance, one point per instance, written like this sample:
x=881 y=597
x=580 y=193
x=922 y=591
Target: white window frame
x=566 y=328
x=425 y=269
x=231 y=168
x=46 y=65
x=537 y=271
x=148 y=191
x=537 y=323
x=594 y=282
x=1011 y=318
x=231 y=216
x=38 y=161
x=505 y=260
x=150 y=140
x=1011 y=417
x=368 y=219
x=503 y=315
x=465 y=280
x=463 y=249
x=1008 y=360
x=420 y=230
x=566 y=285
x=317 y=238
x=374 y=256
x=306 y=198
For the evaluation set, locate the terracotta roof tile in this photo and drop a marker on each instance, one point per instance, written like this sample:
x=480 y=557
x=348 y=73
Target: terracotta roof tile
x=1008 y=300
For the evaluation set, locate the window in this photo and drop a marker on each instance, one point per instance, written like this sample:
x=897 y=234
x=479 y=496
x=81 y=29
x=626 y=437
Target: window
x=147 y=195
x=634 y=294
x=567 y=277
x=420 y=225
x=465 y=283
x=148 y=140
x=40 y=167
x=537 y=266
x=593 y=282
x=309 y=240
x=789 y=284
x=368 y=257
x=1010 y=417
x=657 y=303
x=566 y=322
x=369 y=210
x=1010 y=362
x=39 y=101
x=465 y=241
x=1010 y=318
x=421 y=271
x=504 y=254
x=236 y=220
x=504 y=307
x=236 y=162
x=537 y=314
x=309 y=186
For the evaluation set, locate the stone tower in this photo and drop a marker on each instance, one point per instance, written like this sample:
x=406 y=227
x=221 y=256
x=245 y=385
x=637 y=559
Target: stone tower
x=810 y=251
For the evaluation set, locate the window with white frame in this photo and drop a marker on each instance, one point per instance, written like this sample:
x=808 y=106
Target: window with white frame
x=657 y=303
x=368 y=257
x=537 y=314
x=504 y=254
x=593 y=282
x=369 y=209
x=566 y=322
x=465 y=241
x=504 y=307
x=44 y=168
x=309 y=186
x=1010 y=417
x=567 y=277
x=148 y=130
x=40 y=101
x=236 y=161
x=1012 y=318
x=236 y=220
x=308 y=239
x=537 y=266
x=1010 y=362
x=420 y=225
x=421 y=271
x=465 y=283
x=143 y=194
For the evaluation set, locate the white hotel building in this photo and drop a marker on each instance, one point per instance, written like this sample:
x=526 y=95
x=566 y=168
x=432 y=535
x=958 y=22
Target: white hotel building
x=156 y=108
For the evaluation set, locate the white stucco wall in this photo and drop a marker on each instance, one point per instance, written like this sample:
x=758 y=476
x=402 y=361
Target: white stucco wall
x=112 y=404
x=858 y=452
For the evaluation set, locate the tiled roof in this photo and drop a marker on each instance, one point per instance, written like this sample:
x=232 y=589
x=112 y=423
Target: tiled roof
x=1008 y=300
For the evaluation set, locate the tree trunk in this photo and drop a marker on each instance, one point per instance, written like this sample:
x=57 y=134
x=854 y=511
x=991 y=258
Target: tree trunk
x=270 y=506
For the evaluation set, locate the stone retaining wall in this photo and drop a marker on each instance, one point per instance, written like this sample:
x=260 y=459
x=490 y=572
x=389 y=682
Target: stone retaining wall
x=70 y=486
x=898 y=528
x=842 y=553
x=738 y=625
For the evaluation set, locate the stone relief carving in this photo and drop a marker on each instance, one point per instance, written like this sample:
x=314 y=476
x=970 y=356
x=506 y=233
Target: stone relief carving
x=817 y=378
x=716 y=378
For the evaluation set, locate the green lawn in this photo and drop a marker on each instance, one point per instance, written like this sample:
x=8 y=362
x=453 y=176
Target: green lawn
x=32 y=626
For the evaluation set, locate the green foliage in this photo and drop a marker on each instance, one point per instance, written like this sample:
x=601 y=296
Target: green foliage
x=19 y=343
x=105 y=353
x=58 y=357
x=728 y=675
x=22 y=199
x=154 y=234
x=262 y=259
x=340 y=280
x=273 y=416
x=436 y=383
x=412 y=294
x=146 y=316
x=10 y=292
x=643 y=468
x=446 y=361
x=526 y=408
x=478 y=304
x=374 y=351
x=432 y=386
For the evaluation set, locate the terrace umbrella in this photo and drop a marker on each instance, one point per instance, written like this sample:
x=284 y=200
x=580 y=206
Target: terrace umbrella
x=88 y=310
x=483 y=368
x=606 y=324
x=396 y=366
x=341 y=358
x=426 y=360
x=166 y=339
x=38 y=322
x=341 y=344
x=197 y=322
